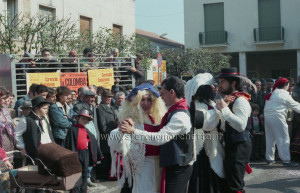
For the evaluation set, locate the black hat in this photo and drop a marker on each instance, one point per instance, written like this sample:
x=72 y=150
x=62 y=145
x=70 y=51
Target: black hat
x=84 y=112
x=232 y=72
x=228 y=72
x=38 y=101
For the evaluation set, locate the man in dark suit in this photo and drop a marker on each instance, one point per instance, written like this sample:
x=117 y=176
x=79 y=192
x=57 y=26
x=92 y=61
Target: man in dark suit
x=107 y=121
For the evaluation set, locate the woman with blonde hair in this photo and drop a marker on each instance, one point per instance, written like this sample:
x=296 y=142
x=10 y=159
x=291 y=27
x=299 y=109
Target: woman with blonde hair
x=141 y=171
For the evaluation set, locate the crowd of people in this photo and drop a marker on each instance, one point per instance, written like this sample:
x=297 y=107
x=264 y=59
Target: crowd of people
x=195 y=137
x=46 y=115
x=123 y=69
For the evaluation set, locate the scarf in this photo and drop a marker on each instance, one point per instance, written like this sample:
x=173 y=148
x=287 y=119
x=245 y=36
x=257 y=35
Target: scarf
x=242 y=94
x=279 y=82
x=182 y=104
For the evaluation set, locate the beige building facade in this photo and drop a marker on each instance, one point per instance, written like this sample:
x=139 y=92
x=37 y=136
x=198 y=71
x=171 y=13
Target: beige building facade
x=262 y=36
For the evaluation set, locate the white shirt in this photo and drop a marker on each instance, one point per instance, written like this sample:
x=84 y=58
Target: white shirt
x=45 y=137
x=279 y=103
x=178 y=125
x=238 y=118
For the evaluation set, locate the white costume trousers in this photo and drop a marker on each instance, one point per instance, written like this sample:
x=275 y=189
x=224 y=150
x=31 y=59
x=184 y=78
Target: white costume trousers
x=276 y=130
x=149 y=176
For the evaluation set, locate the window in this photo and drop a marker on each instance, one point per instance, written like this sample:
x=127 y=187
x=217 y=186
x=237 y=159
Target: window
x=46 y=12
x=11 y=10
x=214 y=23
x=12 y=16
x=85 y=24
x=117 y=30
x=269 y=20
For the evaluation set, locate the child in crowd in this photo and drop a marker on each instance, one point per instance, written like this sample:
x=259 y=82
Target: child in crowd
x=36 y=130
x=81 y=140
x=258 y=136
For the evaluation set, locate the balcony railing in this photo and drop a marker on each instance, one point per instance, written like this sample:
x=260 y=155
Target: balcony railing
x=268 y=34
x=213 y=37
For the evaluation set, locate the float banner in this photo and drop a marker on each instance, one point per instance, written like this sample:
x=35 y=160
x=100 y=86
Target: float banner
x=48 y=79
x=101 y=77
x=73 y=80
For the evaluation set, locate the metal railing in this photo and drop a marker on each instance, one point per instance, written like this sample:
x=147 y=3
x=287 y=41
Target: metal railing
x=19 y=68
x=213 y=37
x=268 y=34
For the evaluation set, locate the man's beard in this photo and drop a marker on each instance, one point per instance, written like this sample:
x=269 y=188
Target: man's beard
x=227 y=92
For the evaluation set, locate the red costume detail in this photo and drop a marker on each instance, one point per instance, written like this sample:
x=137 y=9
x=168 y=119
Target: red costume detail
x=83 y=138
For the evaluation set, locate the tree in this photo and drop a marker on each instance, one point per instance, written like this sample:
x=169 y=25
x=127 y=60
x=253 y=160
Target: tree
x=29 y=31
x=56 y=34
x=9 y=29
x=190 y=61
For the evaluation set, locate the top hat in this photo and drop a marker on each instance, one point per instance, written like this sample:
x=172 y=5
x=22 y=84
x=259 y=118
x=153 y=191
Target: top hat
x=38 y=101
x=26 y=104
x=228 y=72
x=107 y=92
x=84 y=112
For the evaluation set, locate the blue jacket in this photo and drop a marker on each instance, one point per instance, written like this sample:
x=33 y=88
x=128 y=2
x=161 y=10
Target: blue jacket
x=60 y=123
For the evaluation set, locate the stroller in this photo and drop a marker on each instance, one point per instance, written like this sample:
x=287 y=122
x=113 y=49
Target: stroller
x=30 y=177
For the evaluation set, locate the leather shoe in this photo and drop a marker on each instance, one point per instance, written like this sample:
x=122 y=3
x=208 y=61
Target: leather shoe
x=91 y=184
x=290 y=164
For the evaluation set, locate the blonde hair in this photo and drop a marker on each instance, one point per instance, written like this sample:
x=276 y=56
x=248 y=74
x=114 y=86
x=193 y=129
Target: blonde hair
x=134 y=110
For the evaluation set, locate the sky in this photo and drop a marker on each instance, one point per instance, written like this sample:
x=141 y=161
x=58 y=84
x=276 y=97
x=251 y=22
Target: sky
x=161 y=16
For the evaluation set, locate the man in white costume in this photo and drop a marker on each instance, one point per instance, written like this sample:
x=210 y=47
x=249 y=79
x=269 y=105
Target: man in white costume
x=276 y=128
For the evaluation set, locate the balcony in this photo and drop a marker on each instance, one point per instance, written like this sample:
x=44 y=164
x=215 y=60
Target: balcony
x=213 y=38
x=270 y=35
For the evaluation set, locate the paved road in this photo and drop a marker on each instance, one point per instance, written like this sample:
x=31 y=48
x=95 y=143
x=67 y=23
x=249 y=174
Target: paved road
x=105 y=187
x=273 y=179
x=264 y=179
